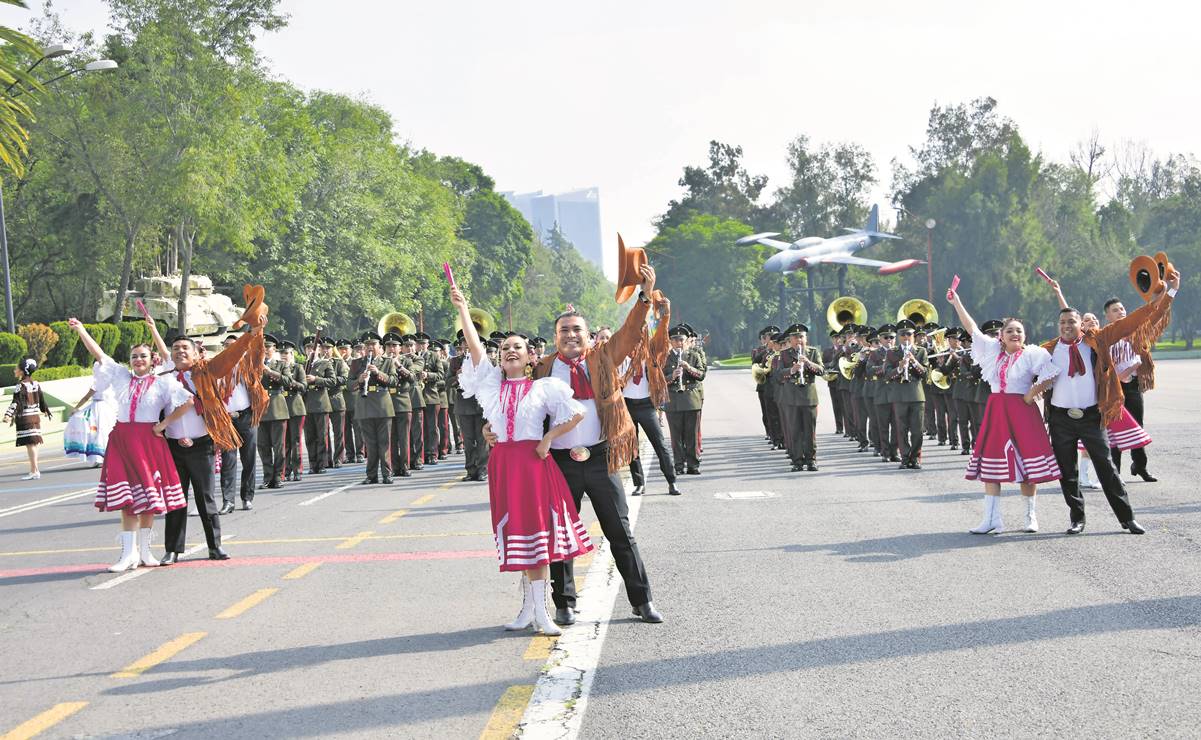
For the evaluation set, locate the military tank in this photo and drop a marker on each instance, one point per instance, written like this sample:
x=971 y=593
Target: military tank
x=209 y=312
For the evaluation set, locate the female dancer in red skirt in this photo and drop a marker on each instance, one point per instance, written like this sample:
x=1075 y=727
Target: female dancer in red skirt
x=533 y=515
x=138 y=478
x=1012 y=445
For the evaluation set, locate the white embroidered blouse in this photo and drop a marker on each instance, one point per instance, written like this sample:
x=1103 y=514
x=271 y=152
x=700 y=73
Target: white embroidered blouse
x=1031 y=365
x=156 y=394
x=516 y=409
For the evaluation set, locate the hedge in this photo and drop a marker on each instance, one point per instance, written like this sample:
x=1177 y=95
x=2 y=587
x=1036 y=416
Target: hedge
x=39 y=338
x=8 y=375
x=46 y=374
x=108 y=336
x=63 y=353
x=132 y=332
x=12 y=348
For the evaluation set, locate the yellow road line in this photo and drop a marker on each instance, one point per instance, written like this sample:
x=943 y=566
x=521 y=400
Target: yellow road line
x=393 y=516
x=166 y=651
x=353 y=541
x=44 y=721
x=540 y=647
x=424 y=500
x=292 y=540
x=301 y=571
x=447 y=484
x=248 y=603
x=507 y=713
x=594 y=530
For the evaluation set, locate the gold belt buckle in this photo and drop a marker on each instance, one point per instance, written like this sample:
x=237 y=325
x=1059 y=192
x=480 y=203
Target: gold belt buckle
x=1076 y=413
x=580 y=454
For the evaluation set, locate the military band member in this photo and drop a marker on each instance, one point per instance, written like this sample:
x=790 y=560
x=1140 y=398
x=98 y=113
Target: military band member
x=684 y=369
x=320 y=380
x=445 y=433
x=337 y=402
x=295 y=372
x=427 y=445
x=273 y=425
x=774 y=425
x=882 y=397
x=794 y=373
x=830 y=361
x=470 y=419
x=696 y=342
x=946 y=416
x=354 y=434
x=762 y=356
x=922 y=339
x=402 y=404
x=965 y=376
x=373 y=376
x=906 y=367
x=856 y=352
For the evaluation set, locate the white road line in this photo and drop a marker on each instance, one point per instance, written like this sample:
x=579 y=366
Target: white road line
x=327 y=494
x=20 y=508
x=141 y=571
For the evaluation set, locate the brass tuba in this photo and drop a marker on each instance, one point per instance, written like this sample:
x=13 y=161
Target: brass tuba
x=484 y=323
x=939 y=380
x=847 y=366
x=397 y=323
x=919 y=311
x=845 y=310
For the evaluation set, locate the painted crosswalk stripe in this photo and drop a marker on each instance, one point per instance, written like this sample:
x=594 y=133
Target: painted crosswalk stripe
x=50 y=501
x=327 y=494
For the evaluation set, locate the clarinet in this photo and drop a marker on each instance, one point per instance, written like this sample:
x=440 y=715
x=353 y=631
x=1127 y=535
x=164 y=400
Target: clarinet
x=680 y=366
x=367 y=369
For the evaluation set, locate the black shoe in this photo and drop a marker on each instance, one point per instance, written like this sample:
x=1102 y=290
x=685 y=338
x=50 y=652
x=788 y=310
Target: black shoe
x=467 y=477
x=915 y=466
x=965 y=451
x=564 y=616
x=264 y=484
x=942 y=443
x=483 y=478
x=1133 y=527
x=694 y=471
x=336 y=464
x=369 y=482
x=226 y=509
x=431 y=461
x=1142 y=473
x=796 y=469
x=672 y=490
x=1076 y=528
x=954 y=446
x=811 y=468
x=170 y=558
x=894 y=458
x=417 y=467
x=404 y=474
x=387 y=480
x=862 y=448
x=319 y=471
x=218 y=554
x=247 y=506
x=638 y=491
x=903 y=466
x=648 y=613
x=273 y=484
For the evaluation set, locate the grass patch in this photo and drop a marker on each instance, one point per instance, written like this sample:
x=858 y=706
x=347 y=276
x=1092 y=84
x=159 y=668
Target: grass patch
x=1177 y=346
x=736 y=361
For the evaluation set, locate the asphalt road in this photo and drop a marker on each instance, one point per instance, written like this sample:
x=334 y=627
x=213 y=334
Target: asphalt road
x=849 y=602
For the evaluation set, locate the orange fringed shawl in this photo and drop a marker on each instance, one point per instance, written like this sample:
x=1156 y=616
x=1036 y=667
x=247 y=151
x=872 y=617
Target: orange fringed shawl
x=214 y=380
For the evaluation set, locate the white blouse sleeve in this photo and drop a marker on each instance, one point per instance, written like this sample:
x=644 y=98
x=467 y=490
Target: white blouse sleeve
x=986 y=351
x=560 y=404
x=1041 y=366
x=174 y=393
x=106 y=374
x=481 y=383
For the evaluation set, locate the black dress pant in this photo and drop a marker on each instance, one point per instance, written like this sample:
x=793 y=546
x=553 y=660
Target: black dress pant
x=337 y=425
x=887 y=428
x=271 y=449
x=931 y=420
x=763 y=410
x=605 y=491
x=965 y=412
x=292 y=446
x=837 y=408
x=801 y=423
x=682 y=426
x=245 y=454
x=1134 y=404
x=430 y=422
x=475 y=449
x=417 y=437
x=456 y=433
x=646 y=418
x=399 y=446
x=910 y=418
x=195 y=467
x=354 y=434
x=1065 y=432
x=375 y=438
x=314 y=439
x=775 y=428
x=860 y=413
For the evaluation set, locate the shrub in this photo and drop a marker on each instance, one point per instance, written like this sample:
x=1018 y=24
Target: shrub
x=8 y=375
x=63 y=353
x=45 y=374
x=39 y=339
x=132 y=332
x=12 y=347
x=108 y=336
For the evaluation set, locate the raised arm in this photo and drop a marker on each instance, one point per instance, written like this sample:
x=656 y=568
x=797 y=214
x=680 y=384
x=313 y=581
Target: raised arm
x=1063 y=302
x=625 y=340
x=159 y=344
x=77 y=326
x=1144 y=315
x=965 y=318
x=478 y=354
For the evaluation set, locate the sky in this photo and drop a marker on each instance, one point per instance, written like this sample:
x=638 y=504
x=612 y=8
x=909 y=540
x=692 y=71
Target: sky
x=623 y=95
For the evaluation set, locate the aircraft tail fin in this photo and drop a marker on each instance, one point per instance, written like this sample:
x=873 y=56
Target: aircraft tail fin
x=873 y=220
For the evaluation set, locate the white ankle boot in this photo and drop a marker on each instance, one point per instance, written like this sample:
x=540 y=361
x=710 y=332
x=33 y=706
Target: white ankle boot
x=526 y=616
x=145 y=535
x=1086 y=475
x=991 y=523
x=1031 y=517
x=541 y=618
x=129 y=554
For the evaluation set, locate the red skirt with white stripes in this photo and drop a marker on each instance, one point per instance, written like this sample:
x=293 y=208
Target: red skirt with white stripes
x=138 y=473
x=1013 y=446
x=534 y=517
x=1124 y=433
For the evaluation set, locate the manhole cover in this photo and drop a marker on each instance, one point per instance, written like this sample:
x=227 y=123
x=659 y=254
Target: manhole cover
x=744 y=494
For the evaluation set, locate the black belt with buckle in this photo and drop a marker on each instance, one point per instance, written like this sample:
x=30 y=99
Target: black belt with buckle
x=582 y=453
x=1074 y=413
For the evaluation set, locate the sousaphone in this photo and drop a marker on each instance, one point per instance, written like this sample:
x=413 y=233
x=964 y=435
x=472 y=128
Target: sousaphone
x=396 y=323
x=845 y=310
x=919 y=311
x=484 y=323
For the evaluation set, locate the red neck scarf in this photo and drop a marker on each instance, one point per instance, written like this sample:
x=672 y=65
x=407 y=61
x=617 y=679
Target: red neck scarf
x=511 y=393
x=196 y=404
x=581 y=387
x=1075 y=359
x=1003 y=370
x=636 y=378
x=137 y=386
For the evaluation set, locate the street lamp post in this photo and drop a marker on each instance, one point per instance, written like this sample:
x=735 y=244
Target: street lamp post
x=930 y=224
x=51 y=52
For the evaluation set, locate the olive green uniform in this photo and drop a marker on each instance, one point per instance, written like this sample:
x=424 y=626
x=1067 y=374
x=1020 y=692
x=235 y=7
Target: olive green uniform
x=684 y=402
x=273 y=425
x=796 y=394
x=908 y=400
x=318 y=406
x=374 y=409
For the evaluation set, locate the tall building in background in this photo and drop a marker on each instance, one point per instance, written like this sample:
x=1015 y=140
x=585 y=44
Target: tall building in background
x=577 y=214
